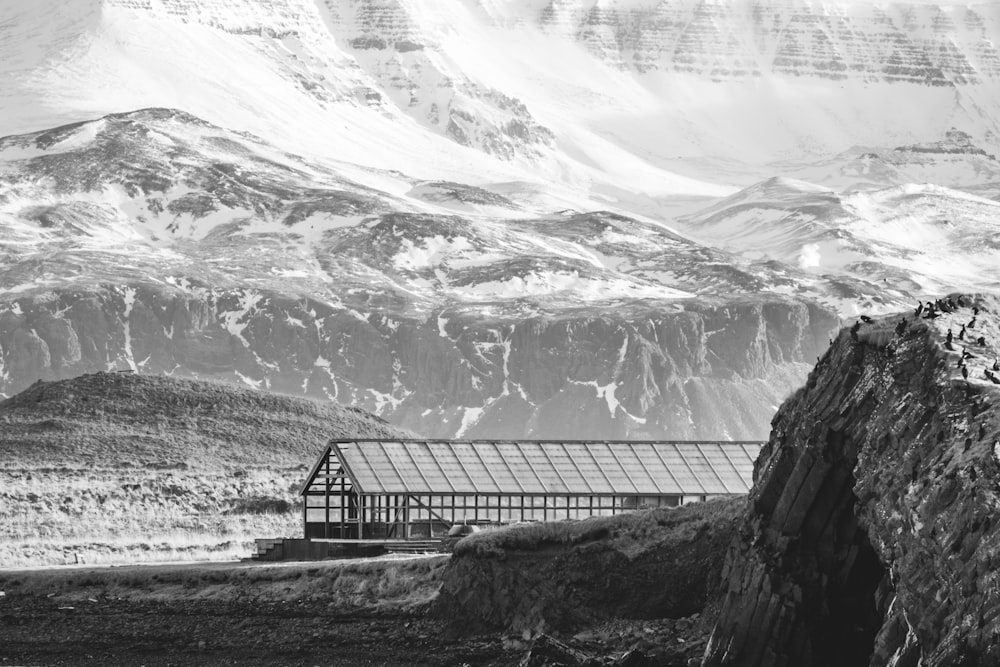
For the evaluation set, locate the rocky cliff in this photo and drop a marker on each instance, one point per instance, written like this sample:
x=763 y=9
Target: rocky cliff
x=704 y=369
x=871 y=537
x=564 y=576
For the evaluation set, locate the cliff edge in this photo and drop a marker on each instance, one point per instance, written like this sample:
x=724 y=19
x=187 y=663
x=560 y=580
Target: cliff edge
x=872 y=534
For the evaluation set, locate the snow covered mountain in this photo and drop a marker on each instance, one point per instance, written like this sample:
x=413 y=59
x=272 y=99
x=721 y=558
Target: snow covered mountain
x=918 y=239
x=658 y=95
x=506 y=217
x=157 y=242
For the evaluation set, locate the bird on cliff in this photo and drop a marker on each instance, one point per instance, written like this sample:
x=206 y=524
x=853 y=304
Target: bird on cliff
x=965 y=372
x=951 y=304
x=975 y=310
x=961 y=362
x=948 y=346
x=920 y=309
x=981 y=341
x=943 y=306
x=972 y=323
x=967 y=355
x=996 y=364
x=992 y=378
x=949 y=336
x=961 y=334
x=866 y=319
x=931 y=314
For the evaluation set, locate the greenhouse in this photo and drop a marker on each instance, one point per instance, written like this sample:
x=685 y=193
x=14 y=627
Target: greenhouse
x=419 y=489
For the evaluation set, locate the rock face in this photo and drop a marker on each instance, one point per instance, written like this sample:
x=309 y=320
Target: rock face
x=871 y=536
x=707 y=370
x=565 y=576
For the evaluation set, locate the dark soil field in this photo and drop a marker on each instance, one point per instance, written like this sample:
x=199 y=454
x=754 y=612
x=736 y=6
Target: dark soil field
x=368 y=612
x=37 y=631
x=376 y=611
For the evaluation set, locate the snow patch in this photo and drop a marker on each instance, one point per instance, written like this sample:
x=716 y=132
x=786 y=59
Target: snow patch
x=248 y=380
x=129 y=299
x=469 y=417
x=810 y=256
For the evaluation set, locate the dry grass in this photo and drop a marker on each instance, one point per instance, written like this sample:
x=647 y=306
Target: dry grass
x=109 y=516
x=634 y=529
x=122 y=468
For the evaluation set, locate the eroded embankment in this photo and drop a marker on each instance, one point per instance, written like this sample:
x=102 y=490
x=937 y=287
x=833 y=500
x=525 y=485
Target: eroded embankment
x=564 y=576
x=371 y=584
x=361 y=612
x=872 y=535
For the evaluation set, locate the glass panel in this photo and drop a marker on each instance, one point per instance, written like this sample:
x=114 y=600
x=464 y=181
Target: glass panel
x=520 y=468
x=611 y=468
x=687 y=482
x=654 y=459
x=572 y=479
x=709 y=481
x=588 y=468
x=482 y=465
x=486 y=454
x=636 y=460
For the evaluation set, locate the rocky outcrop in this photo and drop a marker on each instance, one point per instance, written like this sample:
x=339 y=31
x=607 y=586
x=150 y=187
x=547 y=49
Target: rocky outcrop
x=568 y=575
x=707 y=370
x=871 y=537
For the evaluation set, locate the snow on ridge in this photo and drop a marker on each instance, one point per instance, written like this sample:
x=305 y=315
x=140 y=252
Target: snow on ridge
x=129 y=300
x=433 y=250
x=469 y=418
x=571 y=283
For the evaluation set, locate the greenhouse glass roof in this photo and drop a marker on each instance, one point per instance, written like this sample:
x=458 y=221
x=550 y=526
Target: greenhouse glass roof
x=554 y=467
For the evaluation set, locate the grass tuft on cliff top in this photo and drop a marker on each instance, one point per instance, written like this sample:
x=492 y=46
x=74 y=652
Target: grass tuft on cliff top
x=633 y=529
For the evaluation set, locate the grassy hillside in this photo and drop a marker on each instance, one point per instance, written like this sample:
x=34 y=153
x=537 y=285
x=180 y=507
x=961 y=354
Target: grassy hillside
x=117 y=467
x=123 y=419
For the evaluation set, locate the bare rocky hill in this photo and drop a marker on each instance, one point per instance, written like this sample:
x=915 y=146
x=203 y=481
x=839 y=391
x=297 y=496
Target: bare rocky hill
x=871 y=536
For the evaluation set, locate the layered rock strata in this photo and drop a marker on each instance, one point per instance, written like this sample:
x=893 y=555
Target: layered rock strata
x=709 y=370
x=871 y=535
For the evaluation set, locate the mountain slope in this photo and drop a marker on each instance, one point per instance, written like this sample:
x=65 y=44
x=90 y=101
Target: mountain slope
x=155 y=241
x=461 y=217
x=587 y=95
x=105 y=420
x=916 y=239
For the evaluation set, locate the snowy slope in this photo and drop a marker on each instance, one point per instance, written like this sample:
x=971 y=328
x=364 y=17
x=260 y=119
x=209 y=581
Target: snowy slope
x=159 y=196
x=916 y=239
x=686 y=97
